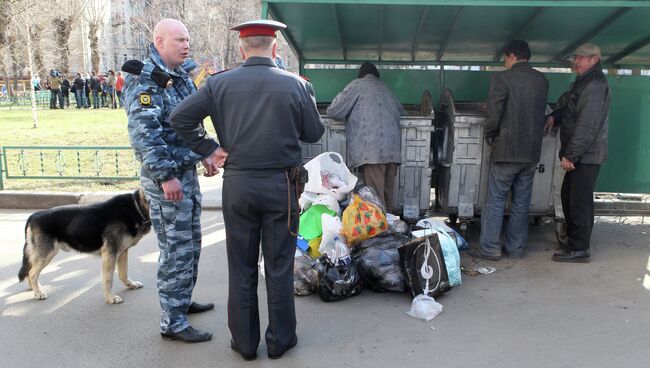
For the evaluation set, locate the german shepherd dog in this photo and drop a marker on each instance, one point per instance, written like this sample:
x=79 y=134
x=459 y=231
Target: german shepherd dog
x=107 y=228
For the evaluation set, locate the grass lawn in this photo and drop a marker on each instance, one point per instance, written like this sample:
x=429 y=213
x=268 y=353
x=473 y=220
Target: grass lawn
x=69 y=127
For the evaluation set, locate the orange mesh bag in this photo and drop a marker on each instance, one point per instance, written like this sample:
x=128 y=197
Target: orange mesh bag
x=362 y=220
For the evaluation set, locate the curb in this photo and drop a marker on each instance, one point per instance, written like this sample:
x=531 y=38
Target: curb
x=18 y=199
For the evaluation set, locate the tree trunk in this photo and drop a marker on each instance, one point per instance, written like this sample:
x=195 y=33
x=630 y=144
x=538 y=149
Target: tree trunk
x=93 y=30
x=13 y=55
x=63 y=28
x=32 y=94
x=35 y=34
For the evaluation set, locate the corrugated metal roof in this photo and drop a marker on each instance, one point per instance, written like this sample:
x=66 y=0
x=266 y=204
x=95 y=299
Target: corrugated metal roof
x=462 y=32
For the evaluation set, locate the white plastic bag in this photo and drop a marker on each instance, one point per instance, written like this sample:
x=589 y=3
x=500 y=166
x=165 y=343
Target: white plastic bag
x=307 y=199
x=328 y=173
x=432 y=223
x=331 y=230
x=424 y=307
x=331 y=244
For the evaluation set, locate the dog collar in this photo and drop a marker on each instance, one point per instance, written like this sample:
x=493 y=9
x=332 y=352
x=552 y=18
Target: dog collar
x=137 y=208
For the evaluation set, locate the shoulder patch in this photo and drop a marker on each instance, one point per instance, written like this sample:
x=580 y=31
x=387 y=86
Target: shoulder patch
x=144 y=99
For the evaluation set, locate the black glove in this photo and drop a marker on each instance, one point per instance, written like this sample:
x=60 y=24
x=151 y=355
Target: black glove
x=162 y=79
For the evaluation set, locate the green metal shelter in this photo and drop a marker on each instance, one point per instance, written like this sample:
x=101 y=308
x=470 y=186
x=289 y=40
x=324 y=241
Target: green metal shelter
x=412 y=37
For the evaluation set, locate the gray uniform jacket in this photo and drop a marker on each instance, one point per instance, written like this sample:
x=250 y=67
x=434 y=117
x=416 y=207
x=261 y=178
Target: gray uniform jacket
x=583 y=114
x=372 y=116
x=259 y=112
x=516 y=106
x=163 y=154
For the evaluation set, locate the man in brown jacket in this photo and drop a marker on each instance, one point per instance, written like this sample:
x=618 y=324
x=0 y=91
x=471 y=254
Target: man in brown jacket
x=514 y=130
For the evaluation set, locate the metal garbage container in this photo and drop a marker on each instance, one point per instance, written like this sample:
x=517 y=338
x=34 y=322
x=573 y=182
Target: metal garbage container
x=461 y=161
x=412 y=189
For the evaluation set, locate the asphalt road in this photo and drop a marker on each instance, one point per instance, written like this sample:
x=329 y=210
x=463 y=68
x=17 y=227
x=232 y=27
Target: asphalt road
x=530 y=313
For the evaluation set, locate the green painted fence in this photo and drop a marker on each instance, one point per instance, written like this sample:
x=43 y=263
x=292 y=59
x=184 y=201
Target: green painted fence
x=77 y=163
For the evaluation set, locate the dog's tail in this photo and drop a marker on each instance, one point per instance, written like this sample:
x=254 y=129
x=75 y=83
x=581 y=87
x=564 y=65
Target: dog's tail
x=27 y=266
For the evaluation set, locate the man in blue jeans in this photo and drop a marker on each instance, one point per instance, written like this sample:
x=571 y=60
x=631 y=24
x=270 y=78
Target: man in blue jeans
x=514 y=130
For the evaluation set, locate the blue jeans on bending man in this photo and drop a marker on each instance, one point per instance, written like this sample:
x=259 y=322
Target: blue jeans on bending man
x=516 y=178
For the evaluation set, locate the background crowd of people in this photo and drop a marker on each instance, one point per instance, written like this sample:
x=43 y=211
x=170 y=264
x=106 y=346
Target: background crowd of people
x=88 y=89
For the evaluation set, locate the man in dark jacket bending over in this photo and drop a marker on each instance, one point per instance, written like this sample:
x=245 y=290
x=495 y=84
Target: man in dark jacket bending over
x=514 y=130
x=582 y=113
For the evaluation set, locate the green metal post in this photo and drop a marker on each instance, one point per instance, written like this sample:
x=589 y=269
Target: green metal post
x=265 y=10
x=2 y=172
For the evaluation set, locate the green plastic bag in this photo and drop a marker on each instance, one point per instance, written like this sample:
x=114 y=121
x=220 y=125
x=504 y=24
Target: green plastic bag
x=310 y=221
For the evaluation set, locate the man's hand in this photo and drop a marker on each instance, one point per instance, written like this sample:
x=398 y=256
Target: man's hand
x=567 y=165
x=219 y=157
x=173 y=190
x=211 y=168
x=550 y=123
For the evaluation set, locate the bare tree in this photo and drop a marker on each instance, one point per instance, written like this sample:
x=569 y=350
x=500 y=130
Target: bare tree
x=94 y=15
x=66 y=13
x=26 y=24
x=5 y=20
x=35 y=36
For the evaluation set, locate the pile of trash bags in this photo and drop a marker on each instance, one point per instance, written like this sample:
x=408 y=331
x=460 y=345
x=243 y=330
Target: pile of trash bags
x=347 y=241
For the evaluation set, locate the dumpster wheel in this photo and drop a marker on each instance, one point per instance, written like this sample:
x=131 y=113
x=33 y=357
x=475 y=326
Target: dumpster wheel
x=464 y=228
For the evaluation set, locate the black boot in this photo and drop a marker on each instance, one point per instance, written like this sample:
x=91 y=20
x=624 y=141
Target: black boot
x=189 y=334
x=279 y=355
x=247 y=357
x=199 y=308
x=572 y=256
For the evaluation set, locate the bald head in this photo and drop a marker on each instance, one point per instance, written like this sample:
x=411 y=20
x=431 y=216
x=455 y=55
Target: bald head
x=172 y=41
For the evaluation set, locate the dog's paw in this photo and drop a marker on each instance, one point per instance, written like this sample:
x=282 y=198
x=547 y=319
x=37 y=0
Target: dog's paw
x=40 y=295
x=133 y=284
x=113 y=299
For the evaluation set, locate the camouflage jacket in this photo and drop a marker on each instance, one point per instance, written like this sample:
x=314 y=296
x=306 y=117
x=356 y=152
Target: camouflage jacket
x=161 y=151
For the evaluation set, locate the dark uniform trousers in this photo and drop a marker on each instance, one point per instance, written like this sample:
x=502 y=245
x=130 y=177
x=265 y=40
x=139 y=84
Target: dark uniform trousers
x=578 y=204
x=255 y=207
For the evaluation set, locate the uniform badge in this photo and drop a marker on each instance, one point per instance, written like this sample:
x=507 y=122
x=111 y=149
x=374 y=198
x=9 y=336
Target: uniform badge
x=145 y=99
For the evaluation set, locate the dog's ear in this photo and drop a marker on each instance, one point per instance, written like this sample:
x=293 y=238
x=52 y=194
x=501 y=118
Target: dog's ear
x=142 y=200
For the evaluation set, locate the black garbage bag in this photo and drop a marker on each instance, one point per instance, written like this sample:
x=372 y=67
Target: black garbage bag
x=305 y=274
x=338 y=281
x=379 y=263
x=422 y=260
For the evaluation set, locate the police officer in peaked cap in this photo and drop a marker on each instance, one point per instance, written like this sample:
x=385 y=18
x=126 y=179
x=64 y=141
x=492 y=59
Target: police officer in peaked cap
x=260 y=113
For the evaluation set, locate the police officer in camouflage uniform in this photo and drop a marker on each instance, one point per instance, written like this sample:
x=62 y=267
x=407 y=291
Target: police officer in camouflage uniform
x=260 y=114
x=169 y=176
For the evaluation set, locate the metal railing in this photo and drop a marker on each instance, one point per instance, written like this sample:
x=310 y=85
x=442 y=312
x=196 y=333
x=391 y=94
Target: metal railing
x=75 y=163
x=23 y=99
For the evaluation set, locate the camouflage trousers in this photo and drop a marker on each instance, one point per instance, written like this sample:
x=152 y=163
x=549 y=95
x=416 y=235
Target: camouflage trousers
x=178 y=229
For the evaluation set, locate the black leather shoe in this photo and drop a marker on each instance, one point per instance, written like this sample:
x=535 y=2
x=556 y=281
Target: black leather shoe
x=189 y=334
x=247 y=357
x=199 y=308
x=572 y=256
x=478 y=254
x=279 y=355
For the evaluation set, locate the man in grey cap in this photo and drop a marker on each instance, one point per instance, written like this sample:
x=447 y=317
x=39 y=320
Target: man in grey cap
x=260 y=113
x=582 y=114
